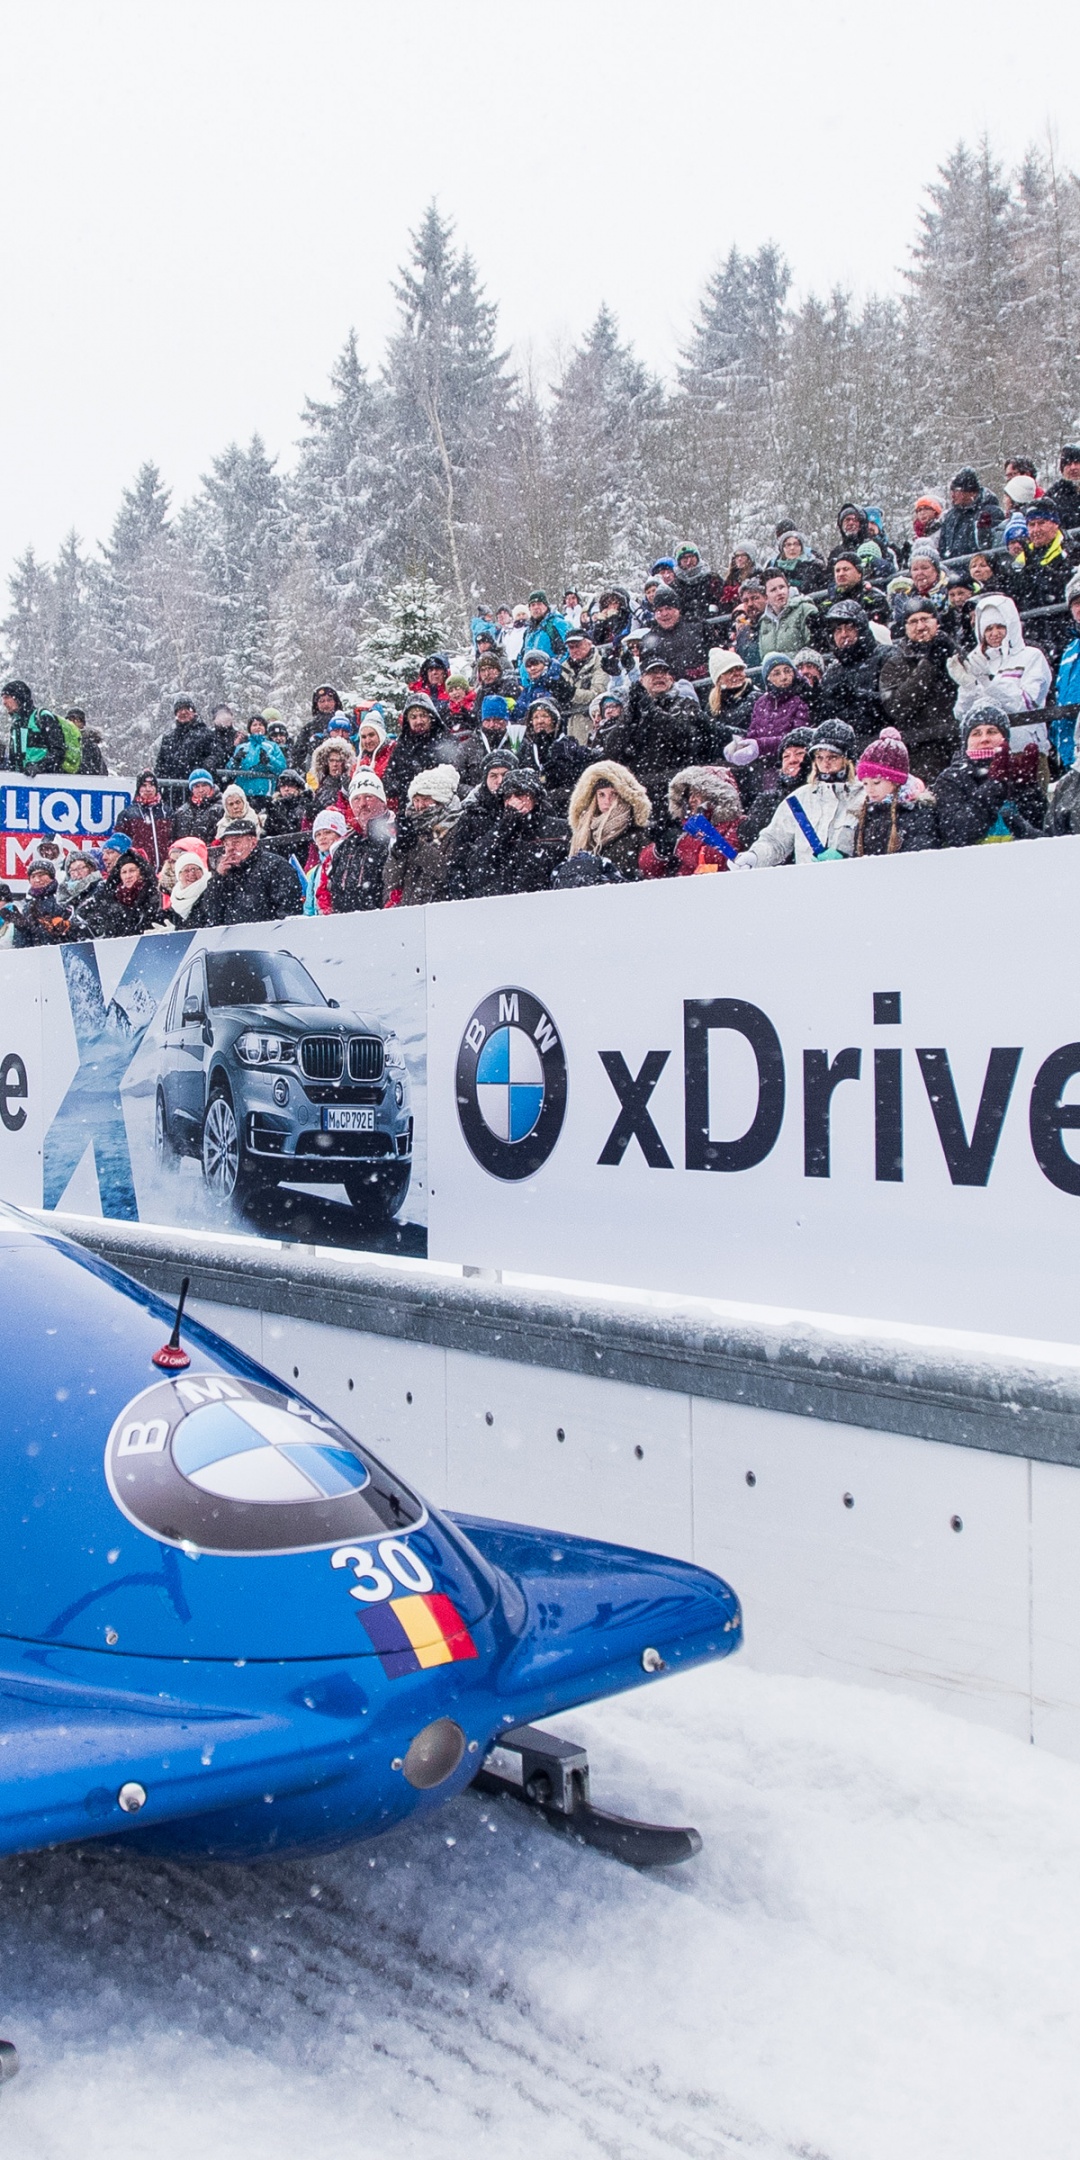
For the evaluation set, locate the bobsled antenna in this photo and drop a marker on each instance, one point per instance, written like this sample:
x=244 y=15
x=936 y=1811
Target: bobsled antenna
x=171 y=1357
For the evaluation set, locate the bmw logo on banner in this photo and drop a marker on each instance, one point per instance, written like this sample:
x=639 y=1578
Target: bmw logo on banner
x=511 y=1084
x=220 y=1464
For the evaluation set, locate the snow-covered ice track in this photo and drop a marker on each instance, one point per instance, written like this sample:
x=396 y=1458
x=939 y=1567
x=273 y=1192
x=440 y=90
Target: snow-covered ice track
x=877 y=1954
x=253 y=1955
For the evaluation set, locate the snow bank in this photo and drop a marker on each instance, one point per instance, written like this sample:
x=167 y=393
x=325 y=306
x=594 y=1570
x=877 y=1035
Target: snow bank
x=875 y=1957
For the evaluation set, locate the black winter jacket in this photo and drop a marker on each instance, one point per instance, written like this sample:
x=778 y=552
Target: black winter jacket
x=520 y=853
x=970 y=795
x=850 y=689
x=357 y=869
x=198 y=821
x=914 y=824
x=657 y=737
x=105 y=915
x=918 y=696
x=182 y=749
x=262 y=889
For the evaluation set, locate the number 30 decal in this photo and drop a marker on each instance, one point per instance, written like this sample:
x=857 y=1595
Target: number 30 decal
x=401 y=1570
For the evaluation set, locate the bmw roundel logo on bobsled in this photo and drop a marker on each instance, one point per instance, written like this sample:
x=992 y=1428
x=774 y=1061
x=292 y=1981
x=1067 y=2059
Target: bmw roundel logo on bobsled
x=211 y=1462
x=228 y=1629
x=511 y=1084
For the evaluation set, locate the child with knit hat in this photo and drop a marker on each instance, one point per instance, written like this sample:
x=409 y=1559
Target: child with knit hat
x=891 y=821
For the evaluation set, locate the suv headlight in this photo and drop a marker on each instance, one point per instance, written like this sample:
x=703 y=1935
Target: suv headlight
x=393 y=1054
x=255 y=1049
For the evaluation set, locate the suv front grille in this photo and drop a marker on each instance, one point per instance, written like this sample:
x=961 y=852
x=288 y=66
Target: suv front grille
x=366 y=1057
x=322 y=1057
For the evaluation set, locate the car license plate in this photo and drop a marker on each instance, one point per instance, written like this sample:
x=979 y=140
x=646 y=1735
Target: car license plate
x=348 y=1120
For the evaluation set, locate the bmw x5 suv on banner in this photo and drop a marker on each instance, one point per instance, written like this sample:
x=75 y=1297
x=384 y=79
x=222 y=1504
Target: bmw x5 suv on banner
x=267 y=1081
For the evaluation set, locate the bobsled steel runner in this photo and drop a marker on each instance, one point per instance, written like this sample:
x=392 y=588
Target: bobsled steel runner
x=228 y=1630
x=552 y=1777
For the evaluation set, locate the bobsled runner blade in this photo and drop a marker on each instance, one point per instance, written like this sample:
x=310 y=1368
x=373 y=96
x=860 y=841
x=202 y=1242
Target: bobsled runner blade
x=551 y=1776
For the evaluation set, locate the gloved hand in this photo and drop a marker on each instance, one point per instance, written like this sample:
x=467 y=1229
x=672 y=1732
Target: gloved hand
x=957 y=667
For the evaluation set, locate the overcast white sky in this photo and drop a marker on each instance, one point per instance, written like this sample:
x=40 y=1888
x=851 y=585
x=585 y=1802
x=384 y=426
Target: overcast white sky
x=200 y=196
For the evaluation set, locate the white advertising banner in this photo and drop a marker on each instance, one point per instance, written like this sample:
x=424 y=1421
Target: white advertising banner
x=849 y=1088
x=846 y=1087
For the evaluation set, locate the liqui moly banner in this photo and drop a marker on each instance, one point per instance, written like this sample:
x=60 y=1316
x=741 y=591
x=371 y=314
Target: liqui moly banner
x=55 y=807
x=839 y=1087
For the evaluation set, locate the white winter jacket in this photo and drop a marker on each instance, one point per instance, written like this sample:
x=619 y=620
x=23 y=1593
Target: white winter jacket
x=1013 y=676
x=833 y=811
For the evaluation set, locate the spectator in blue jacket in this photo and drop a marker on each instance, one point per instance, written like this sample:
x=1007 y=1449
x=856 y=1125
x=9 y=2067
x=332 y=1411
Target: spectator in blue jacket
x=1067 y=686
x=256 y=762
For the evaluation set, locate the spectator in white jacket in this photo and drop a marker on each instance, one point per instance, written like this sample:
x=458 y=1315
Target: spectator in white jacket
x=818 y=822
x=1001 y=670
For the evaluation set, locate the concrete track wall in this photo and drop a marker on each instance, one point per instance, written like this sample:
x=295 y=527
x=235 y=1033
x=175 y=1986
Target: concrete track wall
x=890 y=1511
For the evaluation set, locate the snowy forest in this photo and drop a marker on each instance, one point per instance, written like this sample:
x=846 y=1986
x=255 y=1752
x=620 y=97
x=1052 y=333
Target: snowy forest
x=449 y=476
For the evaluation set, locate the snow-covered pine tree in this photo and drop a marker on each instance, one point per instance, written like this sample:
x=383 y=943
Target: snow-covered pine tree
x=241 y=524
x=26 y=627
x=133 y=660
x=1044 y=232
x=598 y=425
x=725 y=424
x=963 y=295
x=445 y=411
x=333 y=497
x=410 y=621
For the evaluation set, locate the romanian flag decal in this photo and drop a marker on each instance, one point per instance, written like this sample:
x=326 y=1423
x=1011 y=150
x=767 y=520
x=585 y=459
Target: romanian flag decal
x=411 y=1633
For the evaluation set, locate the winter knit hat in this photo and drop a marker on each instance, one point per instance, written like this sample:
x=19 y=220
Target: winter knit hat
x=418 y=702
x=457 y=682
x=986 y=716
x=330 y=821
x=1020 y=490
x=722 y=661
x=200 y=774
x=798 y=738
x=545 y=704
x=117 y=843
x=190 y=860
x=807 y=657
x=924 y=551
x=522 y=783
x=885 y=758
x=440 y=783
x=929 y=502
x=834 y=735
x=366 y=782
x=1015 y=529
x=494 y=708
x=772 y=661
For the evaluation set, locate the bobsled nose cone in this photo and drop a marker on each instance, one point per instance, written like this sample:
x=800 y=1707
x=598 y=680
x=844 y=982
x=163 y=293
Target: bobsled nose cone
x=592 y=1619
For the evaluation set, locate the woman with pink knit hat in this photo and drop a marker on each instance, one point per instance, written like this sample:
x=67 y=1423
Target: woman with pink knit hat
x=891 y=823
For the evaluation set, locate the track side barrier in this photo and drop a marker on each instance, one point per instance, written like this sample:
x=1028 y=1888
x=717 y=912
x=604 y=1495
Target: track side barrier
x=895 y=1510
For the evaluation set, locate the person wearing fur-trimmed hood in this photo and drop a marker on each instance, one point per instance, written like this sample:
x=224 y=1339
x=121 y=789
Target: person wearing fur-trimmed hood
x=702 y=828
x=609 y=815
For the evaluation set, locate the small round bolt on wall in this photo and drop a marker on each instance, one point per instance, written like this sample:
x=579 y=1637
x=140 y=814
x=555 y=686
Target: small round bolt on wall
x=651 y=1661
x=131 y=1797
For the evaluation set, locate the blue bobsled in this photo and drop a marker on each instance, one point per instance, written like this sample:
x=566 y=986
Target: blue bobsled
x=228 y=1630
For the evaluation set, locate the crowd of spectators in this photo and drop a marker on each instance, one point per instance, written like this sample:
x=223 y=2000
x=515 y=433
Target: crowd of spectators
x=881 y=697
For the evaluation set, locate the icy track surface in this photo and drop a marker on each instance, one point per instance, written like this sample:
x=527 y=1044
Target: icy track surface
x=875 y=1958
